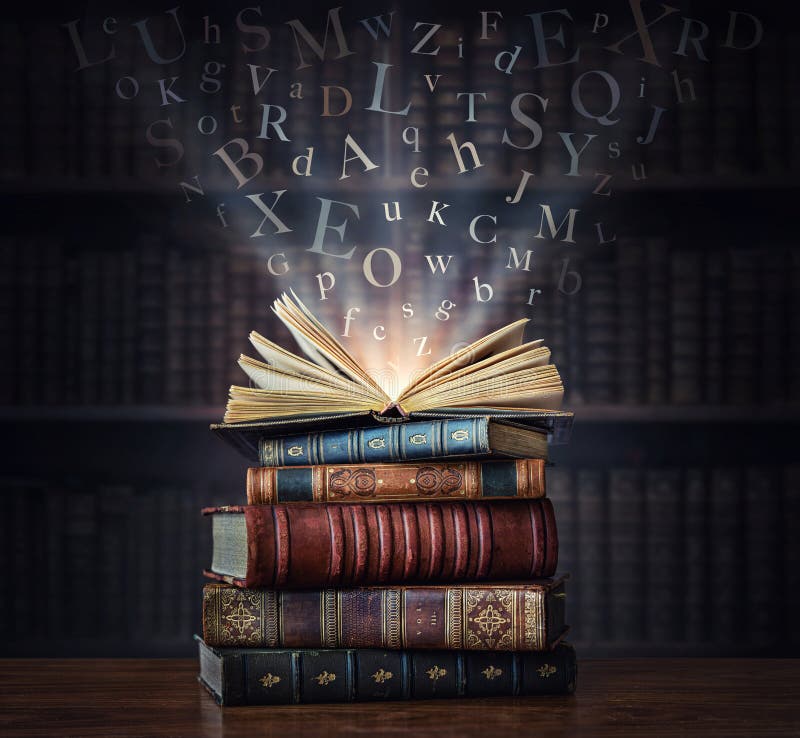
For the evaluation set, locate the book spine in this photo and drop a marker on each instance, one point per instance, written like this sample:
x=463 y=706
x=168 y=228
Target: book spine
x=714 y=288
x=325 y=544
x=474 y=618
x=113 y=505
x=274 y=677
x=742 y=313
x=762 y=505
x=696 y=556
x=664 y=587
x=727 y=559
x=27 y=350
x=657 y=329
x=773 y=330
x=10 y=372
x=631 y=304
x=561 y=491
x=790 y=524
x=382 y=482
x=600 y=320
x=590 y=620
x=626 y=555
x=55 y=511
x=375 y=445
x=686 y=321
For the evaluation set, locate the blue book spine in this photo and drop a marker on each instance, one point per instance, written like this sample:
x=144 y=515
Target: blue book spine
x=398 y=442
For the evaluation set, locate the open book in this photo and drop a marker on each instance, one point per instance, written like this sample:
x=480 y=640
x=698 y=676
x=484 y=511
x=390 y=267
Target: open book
x=496 y=371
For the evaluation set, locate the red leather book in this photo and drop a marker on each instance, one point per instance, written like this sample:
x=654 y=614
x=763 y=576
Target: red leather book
x=347 y=544
x=267 y=485
x=495 y=616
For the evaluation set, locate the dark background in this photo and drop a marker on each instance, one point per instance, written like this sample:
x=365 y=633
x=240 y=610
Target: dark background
x=125 y=306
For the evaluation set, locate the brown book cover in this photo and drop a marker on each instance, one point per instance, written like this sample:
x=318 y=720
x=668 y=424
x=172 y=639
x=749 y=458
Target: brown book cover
x=383 y=482
x=511 y=616
x=349 y=544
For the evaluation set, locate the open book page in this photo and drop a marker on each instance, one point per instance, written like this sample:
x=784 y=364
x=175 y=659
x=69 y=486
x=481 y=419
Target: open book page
x=497 y=342
x=270 y=378
x=282 y=360
x=529 y=387
x=247 y=404
x=299 y=319
x=519 y=357
x=497 y=371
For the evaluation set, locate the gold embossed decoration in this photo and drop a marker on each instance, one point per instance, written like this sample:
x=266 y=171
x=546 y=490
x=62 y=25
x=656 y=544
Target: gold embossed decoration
x=435 y=673
x=460 y=435
x=376 y=443
x=431 y=481
x=295 y=451
x=393 y=624
x=382 y=676
x=535 y=635
x=237 y=617
x=240 y=618
x=418 y=439
x=324 y=678
x=490 y=619
x=360 y=482
x=491 y=672
x=268 y=680
x=330 y=618
x=546 y=670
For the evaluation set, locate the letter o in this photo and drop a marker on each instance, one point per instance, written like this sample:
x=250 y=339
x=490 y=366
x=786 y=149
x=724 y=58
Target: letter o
x=397 y=267
x=134 y=84
x=201 y=127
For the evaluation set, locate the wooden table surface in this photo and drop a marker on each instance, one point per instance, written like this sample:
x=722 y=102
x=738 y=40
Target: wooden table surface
x=652 y=697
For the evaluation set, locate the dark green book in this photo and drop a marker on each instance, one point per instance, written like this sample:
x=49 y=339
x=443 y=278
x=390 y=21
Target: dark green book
x=272 y=676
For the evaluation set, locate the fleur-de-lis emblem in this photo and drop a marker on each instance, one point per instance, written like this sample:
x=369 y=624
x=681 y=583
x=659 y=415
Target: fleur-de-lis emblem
x=546 y=670
x=382 y=676
x=491 y=672
x=460 y=435
x=295 y=450
x=269 y=679
x=376 y=443
x=436 y=672
x=325 y=678
x=418 y=439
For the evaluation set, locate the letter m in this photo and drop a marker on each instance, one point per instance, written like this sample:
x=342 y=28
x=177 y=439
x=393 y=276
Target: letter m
x=301 y=32
x=517 y=260
x=569 y=219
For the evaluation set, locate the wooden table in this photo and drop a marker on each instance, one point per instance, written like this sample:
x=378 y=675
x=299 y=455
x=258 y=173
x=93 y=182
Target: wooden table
x=651 y=697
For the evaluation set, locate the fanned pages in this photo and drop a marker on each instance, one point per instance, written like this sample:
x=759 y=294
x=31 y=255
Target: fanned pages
x=496 y=371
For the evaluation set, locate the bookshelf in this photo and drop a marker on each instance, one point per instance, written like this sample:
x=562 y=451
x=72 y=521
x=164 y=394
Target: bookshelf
x=132 y=414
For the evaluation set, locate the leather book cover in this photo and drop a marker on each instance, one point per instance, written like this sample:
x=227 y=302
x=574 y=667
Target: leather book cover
x=384 y=443
x=268 y=676
x=246 y=437
x=332 y=544
x=267 y=485
x=476 y=617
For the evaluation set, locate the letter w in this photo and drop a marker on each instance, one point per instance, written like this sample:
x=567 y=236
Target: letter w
x=440 y=263
x=379 y=25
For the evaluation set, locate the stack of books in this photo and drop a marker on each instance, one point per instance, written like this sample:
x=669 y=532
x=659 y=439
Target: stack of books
x=390 y=548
